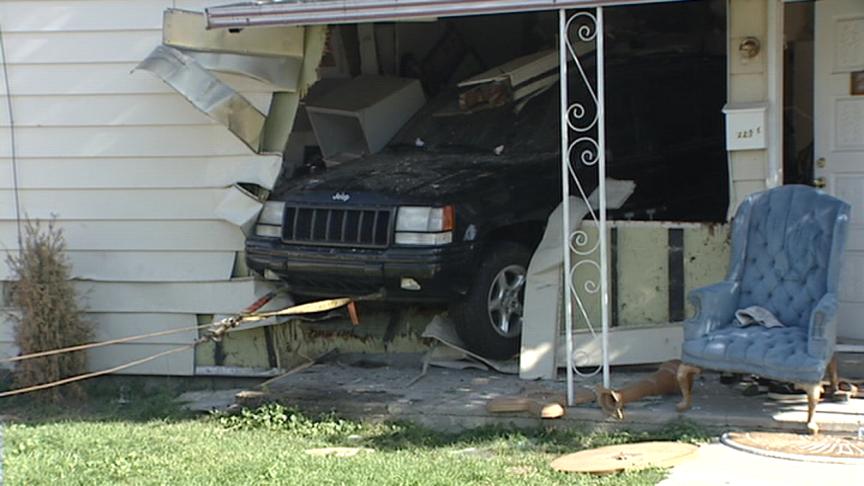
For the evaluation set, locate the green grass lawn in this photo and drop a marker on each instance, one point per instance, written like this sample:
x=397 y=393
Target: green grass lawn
x=149 y=444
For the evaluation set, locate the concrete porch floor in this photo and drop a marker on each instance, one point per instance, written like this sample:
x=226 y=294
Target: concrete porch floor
x=379 y=387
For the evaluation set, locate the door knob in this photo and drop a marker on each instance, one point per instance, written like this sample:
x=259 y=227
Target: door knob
x=819 y=182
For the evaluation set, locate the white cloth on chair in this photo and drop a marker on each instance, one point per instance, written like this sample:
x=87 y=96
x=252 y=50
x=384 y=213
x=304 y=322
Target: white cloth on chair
x=756 y=315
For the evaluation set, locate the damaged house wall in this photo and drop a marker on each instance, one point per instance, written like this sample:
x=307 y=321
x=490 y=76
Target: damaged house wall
x=144 y=186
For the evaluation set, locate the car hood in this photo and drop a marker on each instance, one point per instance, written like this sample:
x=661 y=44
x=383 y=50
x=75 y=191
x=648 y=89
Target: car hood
x=418 y=175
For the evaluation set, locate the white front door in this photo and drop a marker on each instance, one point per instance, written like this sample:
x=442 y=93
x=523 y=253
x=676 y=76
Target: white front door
x=839 y=140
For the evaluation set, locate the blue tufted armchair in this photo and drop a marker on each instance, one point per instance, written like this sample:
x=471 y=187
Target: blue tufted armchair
x=787 y=248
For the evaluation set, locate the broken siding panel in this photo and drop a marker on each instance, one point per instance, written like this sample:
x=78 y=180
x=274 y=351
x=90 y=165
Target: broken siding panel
x=82 y=15
x=140 y=235
x=146 y=266
x=141 y=172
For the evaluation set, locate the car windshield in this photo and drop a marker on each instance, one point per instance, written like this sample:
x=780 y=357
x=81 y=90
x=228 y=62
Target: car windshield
x=438 y=126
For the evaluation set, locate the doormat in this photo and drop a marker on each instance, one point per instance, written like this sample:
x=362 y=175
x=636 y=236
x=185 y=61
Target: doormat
x=835 y=449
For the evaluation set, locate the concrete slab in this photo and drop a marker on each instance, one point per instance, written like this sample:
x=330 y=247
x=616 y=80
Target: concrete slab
x=717 y=464
x=380 y=388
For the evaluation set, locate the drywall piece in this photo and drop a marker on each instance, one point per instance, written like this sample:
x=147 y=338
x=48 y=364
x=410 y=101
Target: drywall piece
x=188 y=30
x=543 y=296
x=362 y=115
x=239 y=207
x=204 y=90
x=144 y=235
x=544 y=287
x=141 y=172
x=627 y=346
x=144 y=266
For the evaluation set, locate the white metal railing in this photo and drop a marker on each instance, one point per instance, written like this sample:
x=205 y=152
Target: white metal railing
x=587 y=150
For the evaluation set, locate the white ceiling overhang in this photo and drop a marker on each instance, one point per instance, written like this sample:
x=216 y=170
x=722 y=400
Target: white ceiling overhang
x=310 y=12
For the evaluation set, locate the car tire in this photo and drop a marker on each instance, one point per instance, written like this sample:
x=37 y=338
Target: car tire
x=489 y=318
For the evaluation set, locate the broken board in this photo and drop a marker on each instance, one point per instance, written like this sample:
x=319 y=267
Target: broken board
x=626 y=457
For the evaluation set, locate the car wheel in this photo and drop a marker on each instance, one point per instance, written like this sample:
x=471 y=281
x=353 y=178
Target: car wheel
x=489 y=318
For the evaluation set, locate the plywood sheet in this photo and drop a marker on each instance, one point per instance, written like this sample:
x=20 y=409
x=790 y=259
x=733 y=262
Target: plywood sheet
x=141 y=172
x=140 y=235
x=627 y=346
x=144 y=266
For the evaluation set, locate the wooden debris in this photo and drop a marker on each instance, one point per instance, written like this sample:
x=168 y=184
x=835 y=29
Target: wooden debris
x=626 y=457
x=544 y=404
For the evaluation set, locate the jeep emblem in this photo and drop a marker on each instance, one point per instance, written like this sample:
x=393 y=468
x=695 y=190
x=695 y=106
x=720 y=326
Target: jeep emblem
x=341 y=196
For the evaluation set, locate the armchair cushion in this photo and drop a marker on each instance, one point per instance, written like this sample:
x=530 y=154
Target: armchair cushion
x=779 y=353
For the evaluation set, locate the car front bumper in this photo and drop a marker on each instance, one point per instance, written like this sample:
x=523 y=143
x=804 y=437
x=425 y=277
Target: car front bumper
x=443 y=273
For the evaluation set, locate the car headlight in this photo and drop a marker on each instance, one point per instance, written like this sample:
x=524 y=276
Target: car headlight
x=419 y=225
x=270 y=220
x=424 y=219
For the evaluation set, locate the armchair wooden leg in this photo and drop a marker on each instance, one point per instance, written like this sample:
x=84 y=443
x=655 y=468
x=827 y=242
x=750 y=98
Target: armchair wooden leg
x=833 y=377
x=686 y=374
x=814 y=391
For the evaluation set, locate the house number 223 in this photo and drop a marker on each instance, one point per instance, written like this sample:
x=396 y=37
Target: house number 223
x=748 y=133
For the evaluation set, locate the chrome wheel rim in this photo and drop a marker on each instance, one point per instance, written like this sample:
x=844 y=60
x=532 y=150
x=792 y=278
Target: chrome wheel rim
x=504 y=303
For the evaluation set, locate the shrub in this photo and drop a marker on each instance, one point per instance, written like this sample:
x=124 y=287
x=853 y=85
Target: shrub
x=45 y=311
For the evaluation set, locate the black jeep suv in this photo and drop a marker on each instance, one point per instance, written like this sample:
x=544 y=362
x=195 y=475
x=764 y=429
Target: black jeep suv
x=453 y=208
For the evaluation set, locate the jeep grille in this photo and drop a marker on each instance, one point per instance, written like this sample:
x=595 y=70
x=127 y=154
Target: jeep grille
x=364 y=227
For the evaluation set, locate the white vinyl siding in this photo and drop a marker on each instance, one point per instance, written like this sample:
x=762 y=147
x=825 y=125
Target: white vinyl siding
x=136 y=177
